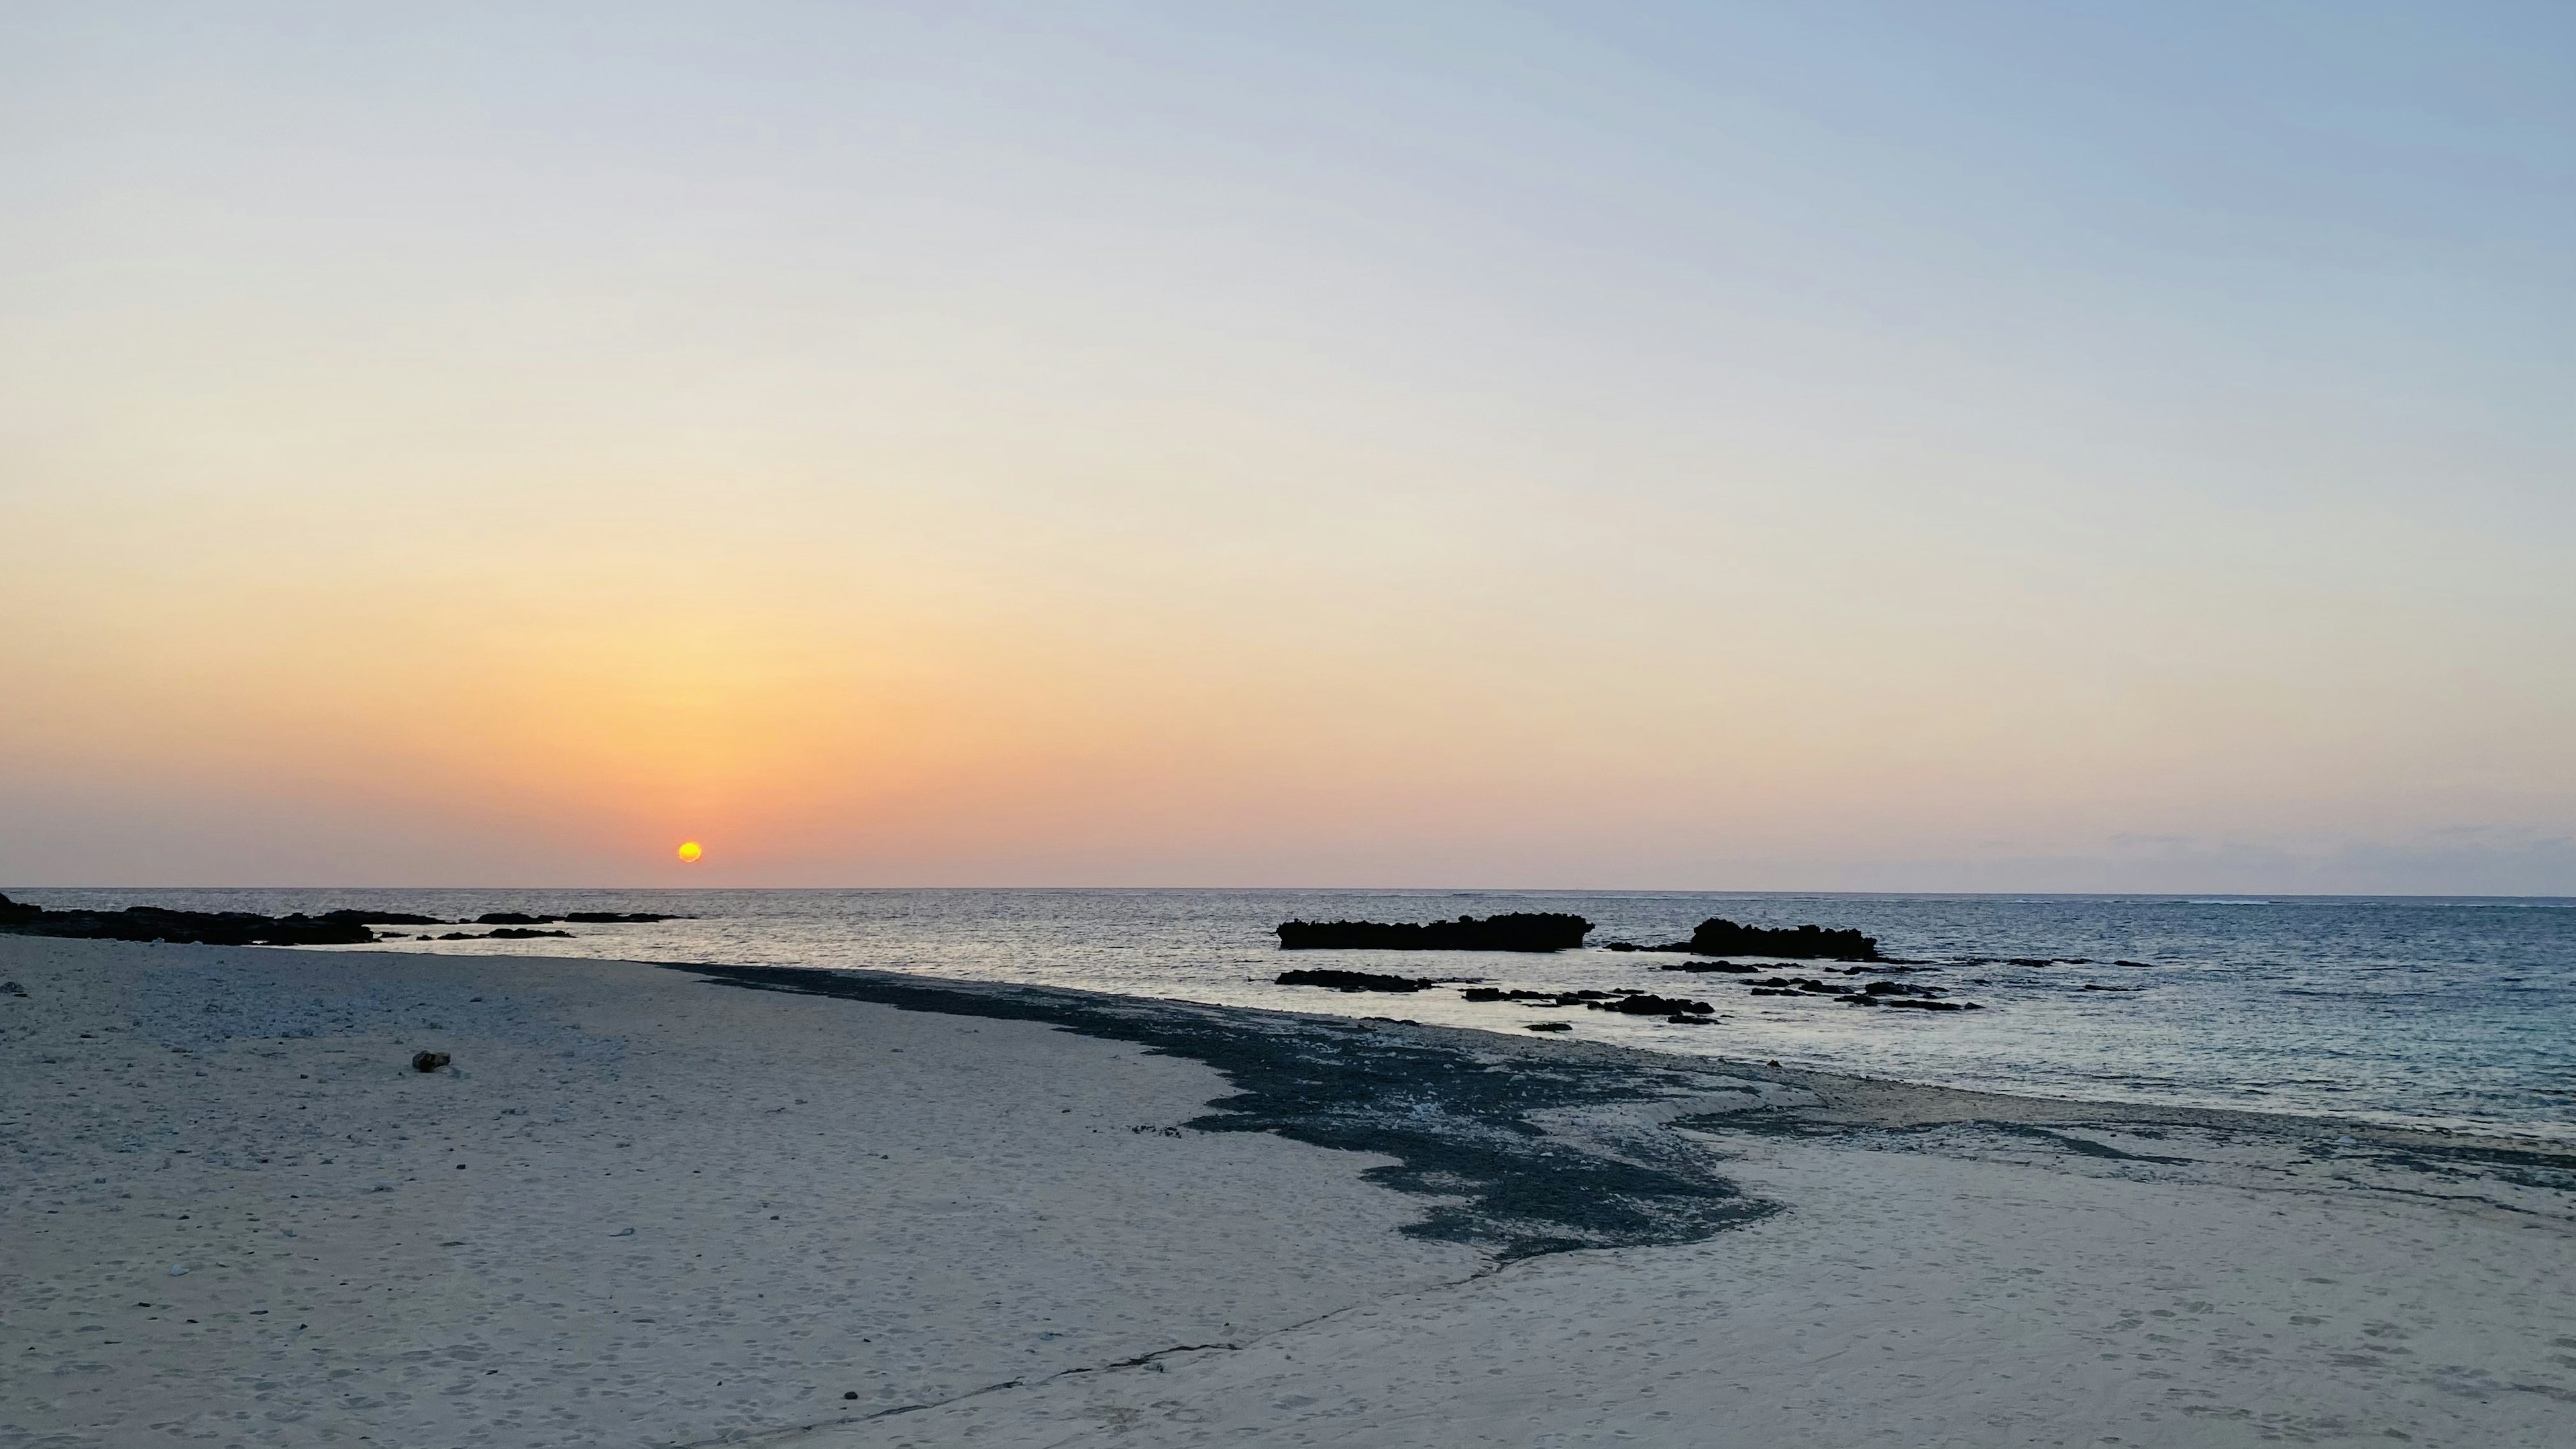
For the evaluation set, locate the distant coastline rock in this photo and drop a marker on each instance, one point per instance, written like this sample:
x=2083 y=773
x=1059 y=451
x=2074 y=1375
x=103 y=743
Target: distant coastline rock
x=1351 y=981
x=380 y=918
x=201 y=928
x=585 y=918
x=1522 y=931
x=1718 y=936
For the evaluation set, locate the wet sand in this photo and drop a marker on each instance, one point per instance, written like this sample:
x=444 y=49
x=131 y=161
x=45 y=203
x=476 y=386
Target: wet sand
x=665 y=1206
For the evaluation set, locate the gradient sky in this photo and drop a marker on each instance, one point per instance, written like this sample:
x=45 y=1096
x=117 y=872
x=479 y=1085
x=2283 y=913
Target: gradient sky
x=1849 y=446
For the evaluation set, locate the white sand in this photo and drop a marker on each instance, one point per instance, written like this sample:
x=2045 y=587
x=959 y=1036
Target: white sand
x=1908 y=1299
x=828 y=1197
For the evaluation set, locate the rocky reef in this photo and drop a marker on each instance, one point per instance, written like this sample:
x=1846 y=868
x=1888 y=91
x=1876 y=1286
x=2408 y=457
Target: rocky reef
x=1351 y=980
x=1521 y=931
x=587 y=918
x=1718 y=936
x=206 y=928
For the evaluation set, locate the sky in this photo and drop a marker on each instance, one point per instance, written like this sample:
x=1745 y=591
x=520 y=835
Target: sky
x=1957 y=446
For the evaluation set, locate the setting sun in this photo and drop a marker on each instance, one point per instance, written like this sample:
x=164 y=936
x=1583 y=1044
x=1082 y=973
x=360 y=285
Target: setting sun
x=689 y=852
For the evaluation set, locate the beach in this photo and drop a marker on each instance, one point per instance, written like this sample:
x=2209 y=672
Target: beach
x=669 y=1205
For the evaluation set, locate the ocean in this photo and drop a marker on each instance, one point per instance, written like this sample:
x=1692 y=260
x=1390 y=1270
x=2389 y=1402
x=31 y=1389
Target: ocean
x=2454 y=1012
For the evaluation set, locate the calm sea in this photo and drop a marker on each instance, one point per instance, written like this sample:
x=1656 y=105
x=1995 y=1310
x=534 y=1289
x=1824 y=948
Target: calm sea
x=2457 y=1012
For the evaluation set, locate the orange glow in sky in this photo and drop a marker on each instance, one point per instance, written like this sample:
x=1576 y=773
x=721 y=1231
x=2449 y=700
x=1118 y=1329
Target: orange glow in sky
x=1269 y=450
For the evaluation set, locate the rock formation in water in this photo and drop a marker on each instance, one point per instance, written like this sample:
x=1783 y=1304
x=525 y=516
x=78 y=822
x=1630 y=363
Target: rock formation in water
x=207 y=928
x=1522 y=931
x=1351 y=981
x=1718 y=936
x=1641 y=1004
x=586 y=918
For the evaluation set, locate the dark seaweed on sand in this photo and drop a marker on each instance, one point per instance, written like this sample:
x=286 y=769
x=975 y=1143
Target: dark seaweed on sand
x=1458 y=1133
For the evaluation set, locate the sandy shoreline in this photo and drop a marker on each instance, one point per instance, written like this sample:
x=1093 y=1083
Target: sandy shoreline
x=654 y=1208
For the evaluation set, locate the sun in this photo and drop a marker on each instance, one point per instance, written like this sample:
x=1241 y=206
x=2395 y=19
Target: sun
x=689 y=852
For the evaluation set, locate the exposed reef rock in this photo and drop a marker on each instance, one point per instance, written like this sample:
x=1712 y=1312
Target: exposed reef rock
x=506 y=933
x=1627 y=1001
x=582 y=918
x=1523 y=931
x=1718 y=936
x=1786 y=984
x=207 y=928
x=1644 y=1005
x=1351 y=981
x=1876 y=993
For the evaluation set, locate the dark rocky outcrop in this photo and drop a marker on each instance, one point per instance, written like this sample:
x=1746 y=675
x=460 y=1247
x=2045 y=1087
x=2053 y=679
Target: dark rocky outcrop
x=1876 y=993
x=579 y=918
x=207 y=928
x=428 y=1061
x=380 y=918
x=1351 y=981
x=1718 y=936
x=506 y=933
x=1520 y=931
x=1644 y=1005
x=1734 y=967
x=1549 y=1026
x=1798 y=983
